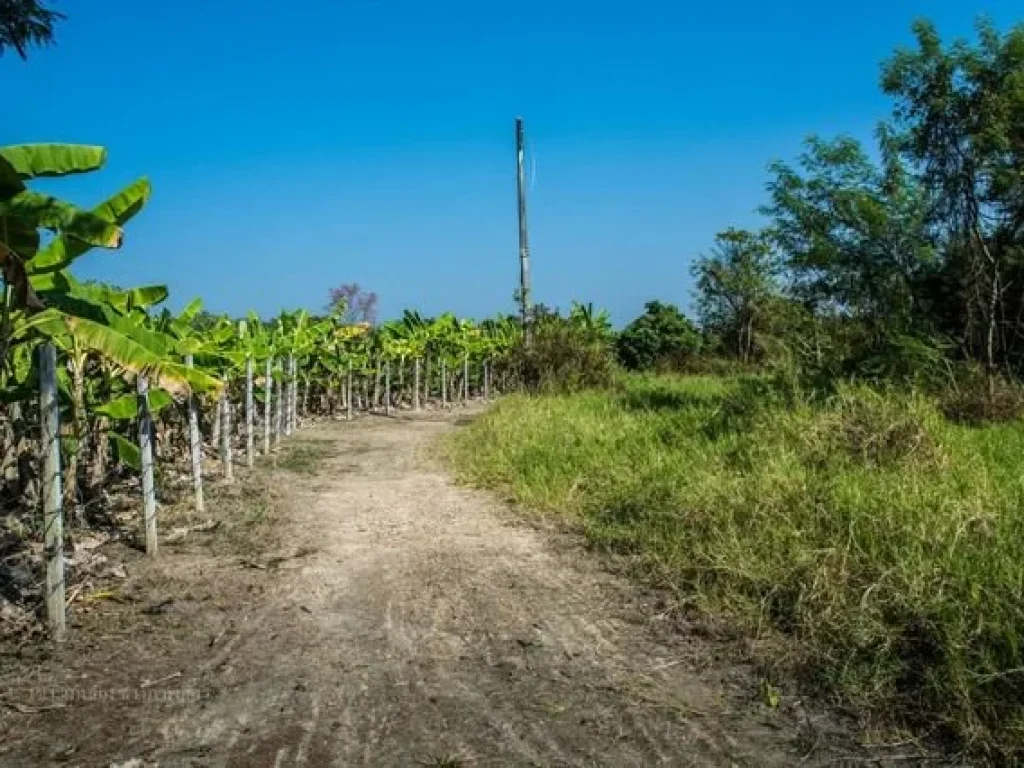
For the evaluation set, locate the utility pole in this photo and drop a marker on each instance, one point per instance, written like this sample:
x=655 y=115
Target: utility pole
x=524 y=246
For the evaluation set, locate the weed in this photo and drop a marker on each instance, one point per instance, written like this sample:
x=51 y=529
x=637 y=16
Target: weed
x=884 y=543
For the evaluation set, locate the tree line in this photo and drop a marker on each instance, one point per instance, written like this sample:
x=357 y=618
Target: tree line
x=902 y=261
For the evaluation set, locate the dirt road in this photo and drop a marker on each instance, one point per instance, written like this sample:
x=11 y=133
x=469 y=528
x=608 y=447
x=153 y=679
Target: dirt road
x=410 y=622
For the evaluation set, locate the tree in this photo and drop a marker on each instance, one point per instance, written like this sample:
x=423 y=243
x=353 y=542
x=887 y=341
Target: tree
x=854 y=237
x=735 y=284
x=352 y=304
x=26 y=23
x=961 y=112
x=596 y=321
x=661 y=336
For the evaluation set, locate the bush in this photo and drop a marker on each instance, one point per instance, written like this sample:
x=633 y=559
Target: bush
x=564 y=357
x=974 y=400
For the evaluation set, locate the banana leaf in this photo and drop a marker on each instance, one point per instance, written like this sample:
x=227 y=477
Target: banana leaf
x=128 y=453
x=31 y=161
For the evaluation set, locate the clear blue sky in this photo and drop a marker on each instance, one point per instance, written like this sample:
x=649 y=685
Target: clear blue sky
x=295 y=146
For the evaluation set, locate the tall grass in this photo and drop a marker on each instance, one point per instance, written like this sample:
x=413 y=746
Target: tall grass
x=885 y=544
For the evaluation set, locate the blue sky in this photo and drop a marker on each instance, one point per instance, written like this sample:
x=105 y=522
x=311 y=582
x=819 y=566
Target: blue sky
x=295 y=146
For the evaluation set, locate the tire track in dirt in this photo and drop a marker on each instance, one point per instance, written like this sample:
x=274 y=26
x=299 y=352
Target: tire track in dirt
x=430 y=626
x=426 y=623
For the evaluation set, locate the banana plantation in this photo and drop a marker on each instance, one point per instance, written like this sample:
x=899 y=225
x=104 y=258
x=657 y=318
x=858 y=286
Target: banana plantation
x=103 y=386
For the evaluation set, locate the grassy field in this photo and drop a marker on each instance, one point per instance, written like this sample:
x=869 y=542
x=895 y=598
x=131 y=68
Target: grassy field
x=885 y=544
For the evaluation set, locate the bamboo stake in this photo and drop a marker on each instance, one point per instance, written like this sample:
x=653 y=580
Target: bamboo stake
x=195 y=446
x=53 y=511
x=249 y=458
x=146 y=451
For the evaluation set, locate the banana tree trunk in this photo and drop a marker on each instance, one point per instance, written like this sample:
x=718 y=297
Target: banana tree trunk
x=465 y=380
x=225 y=437
x=100 y=452
x=416 y=384
x=268 y=404
x=249 y=419
x=53 y=514
x=487 y=380
x=70 y=473
x=387 y=388
x=146 y=452
x=195 y=447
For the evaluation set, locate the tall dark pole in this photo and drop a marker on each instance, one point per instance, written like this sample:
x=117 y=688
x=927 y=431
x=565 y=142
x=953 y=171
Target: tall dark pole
x=524 y=245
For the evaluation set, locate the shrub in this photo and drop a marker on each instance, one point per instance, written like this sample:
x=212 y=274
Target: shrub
x=564 y=357
x=973 y=399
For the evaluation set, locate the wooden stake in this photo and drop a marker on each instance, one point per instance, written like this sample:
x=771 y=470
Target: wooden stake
x=295 y=395
x=195 y=446
x=249 y=450
x=225 y=437
x=146 y=451
x=416 y=384
x=426 y=383
x=348 y=392
x=444 y=383
x=278 y=414
x=217 y=418
x=287 y=402
x=53 y=511
x=401 y=380
x=376 y=386
x=268 y=398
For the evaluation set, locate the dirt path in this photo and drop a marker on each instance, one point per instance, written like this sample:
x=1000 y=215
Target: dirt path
x=418 y=624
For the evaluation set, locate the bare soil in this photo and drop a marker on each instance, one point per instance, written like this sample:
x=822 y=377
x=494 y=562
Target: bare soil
x=355 y=607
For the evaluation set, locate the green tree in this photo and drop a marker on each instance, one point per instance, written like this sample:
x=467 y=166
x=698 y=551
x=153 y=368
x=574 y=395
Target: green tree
x=854 y=236
x=661 y=336
x=960 y=110
x=735 y=286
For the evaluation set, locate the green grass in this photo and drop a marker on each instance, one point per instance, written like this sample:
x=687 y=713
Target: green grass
x=883 y=543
